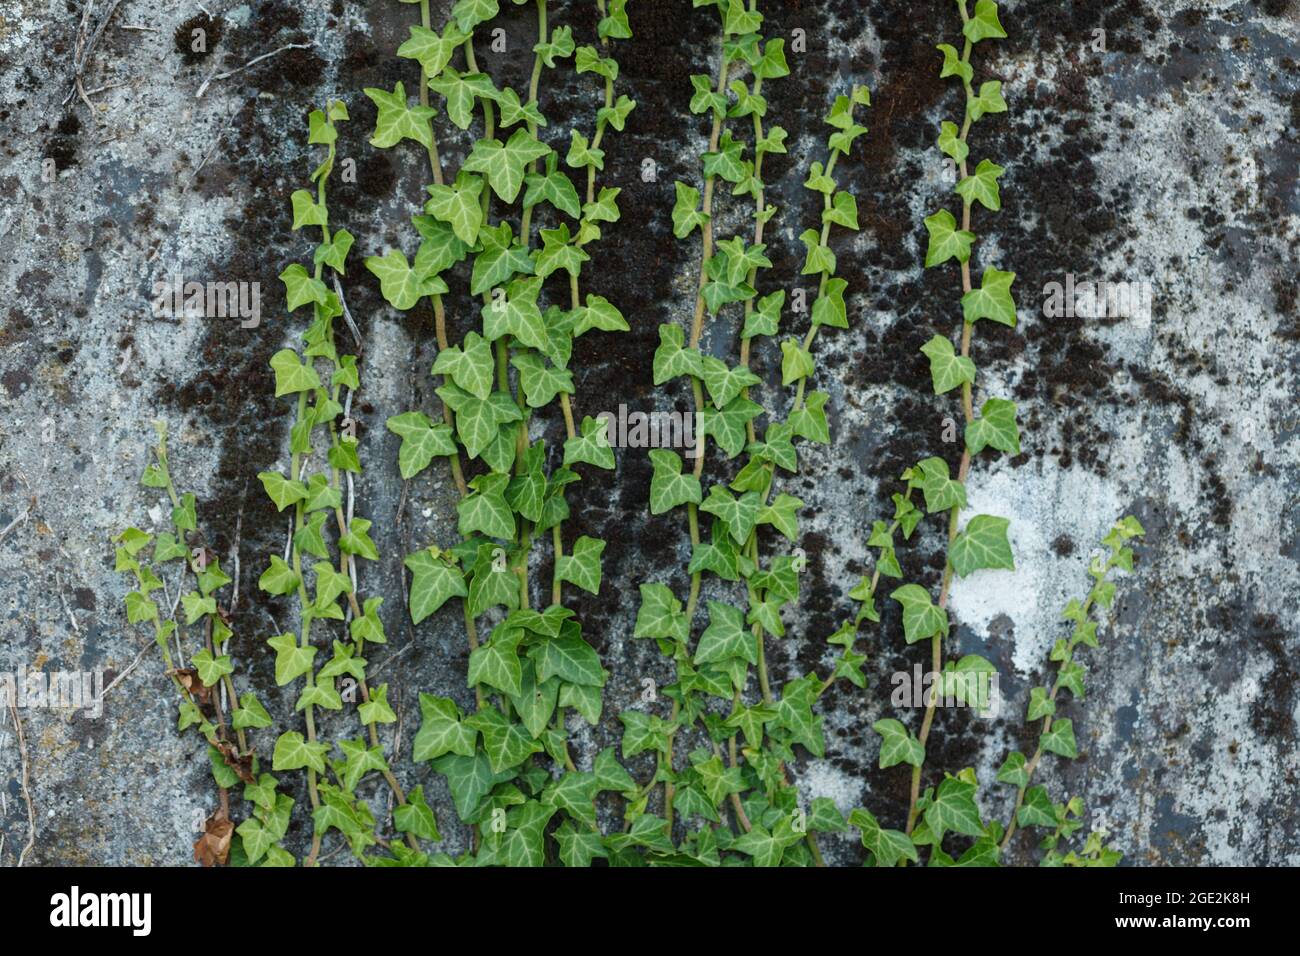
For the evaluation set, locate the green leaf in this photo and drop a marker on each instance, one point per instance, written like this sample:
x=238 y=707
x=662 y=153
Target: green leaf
x=782 y=515
x=582 y=154
x=442 y=730
x=984 y=23
x=982 y=186
x=461 y=91
x=946 y=240
x=941 y=491
x=469 y=779
x=996 y=428
x=1036 y=810
x=765 y=846
x=422 y=440
x=686 y=211
x=516 y=313
x=954 y=65
x=671 y=359
x=820 y=259
x=507 y=744
x=377 y=710
x=727 y=425
x=725 y=637
x=951 y=143
x=335 y=252
x=541 y=382
x=598 y=313
x=660 y=614
x=433 y=582
x=983 y=544
x=504 y=164
x=810 y=421
x=1040 y=704
x=921 y=618
x=470 y=13
x=279 y=578
x=1013 y=770
x=496 y=663
x=727 y=161
x=591 y=446
x=992 y=300
x=469 y=365
x=554 y=187
x=433 y=50
x=500 y=259
x=292 y=752
x=582 y=566
x=569 y=658
x=796 y=362
x=989 y=100
x=1060 y=739
x=416 y=818
x=291 y=659
x=486 y=509
x=459 y=206
x=280 y=490
x=397 y=120
x=250 y=713
x=898 y=745
x=953 y=808
x=291 y=374
x=725 y=382
x=886 y=846
x=306 y=211
x=948 y=370
x=668 y=486
x=739 y=514
x=399 y=284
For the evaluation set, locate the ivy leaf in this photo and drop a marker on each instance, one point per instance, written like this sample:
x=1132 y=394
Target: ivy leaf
x=469 y=365
x=582 y=566
x=461 y=91
x=516 y=313
x=335 y=252
x=767 y=847
x=459 y=206
x=433 y=50
x=559 y=253
x=291 y=374
x=416 y=818
x=422 y=441
x=706 y=98
x=569 y=658
x=982 y=186
x=433 y=582
x=996 y=428
x=499 y=260
x=470 y=13
x=686 y=211
x=796 y=362
x=469 y=778
x=898 y=745
x=739 y=514
x=292 y=752
x=1013 y=770
x=921 y=618
x=496 y=664
x=486 y=509
x=592 y=446
x=442 y=731
x=672 y=359
x=727 y=161
x=725 y=382
x=1060 y=739
x=541 y=382
x=782 y=515
x=983 y=544
x=279 y=578
x=560 y=45
x=397 y=120
x=507 y=744
x=727 y=425
x=946 y=240
x=504 y=164
x=582 y=154
x=951 y=143
x=1040 y=704
x=886 y=846
x=954 y=65
x=992 y=300
x=989 y=100
x=399 y=284
x=948 y=370
x=820 y=258
x=941 y=491
x=250 y=713
x=829 y=309
x=554 y=187
x=766 y=316
x=1036 y=810
x=660 y=614
x=953 y=808
x=668 y=486
x=725 y=637
x=281 y=490
x=809 y=421
x=307 y=211
x=598 y=313
x=984 y=24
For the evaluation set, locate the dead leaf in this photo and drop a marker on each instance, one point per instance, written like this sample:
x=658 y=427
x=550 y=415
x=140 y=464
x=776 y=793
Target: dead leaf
x=213 y=848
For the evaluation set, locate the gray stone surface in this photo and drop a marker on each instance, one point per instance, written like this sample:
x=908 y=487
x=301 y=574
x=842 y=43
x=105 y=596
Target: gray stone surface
x=1170 y=158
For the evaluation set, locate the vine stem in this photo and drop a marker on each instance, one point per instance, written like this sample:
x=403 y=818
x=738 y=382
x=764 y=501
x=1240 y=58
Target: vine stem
x=697 y=390
x=936 y=642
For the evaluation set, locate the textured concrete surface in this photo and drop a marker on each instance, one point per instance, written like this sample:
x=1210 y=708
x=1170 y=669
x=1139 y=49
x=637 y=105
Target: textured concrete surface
x=1171 y=158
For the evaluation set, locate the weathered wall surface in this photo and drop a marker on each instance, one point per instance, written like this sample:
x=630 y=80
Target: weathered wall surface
x=1170 y=158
